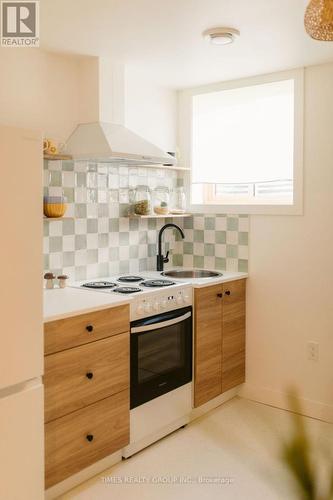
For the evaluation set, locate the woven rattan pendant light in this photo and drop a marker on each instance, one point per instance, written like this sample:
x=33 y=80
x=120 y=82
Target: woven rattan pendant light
x=319 y=20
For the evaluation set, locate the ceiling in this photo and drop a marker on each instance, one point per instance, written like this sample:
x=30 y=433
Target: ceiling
x=163 y=37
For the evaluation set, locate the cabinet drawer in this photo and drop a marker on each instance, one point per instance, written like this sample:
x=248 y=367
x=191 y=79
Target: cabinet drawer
x=80 y=376
x=71 y=332
x=83 y=437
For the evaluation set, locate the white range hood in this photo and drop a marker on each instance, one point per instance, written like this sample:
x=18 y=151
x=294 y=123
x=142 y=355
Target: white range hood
x=109 y=142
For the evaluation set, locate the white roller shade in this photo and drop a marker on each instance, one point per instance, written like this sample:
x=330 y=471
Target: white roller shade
x=244 y=135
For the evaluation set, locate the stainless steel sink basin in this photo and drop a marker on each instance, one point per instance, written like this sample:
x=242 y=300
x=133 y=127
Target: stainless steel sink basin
x=191 y=274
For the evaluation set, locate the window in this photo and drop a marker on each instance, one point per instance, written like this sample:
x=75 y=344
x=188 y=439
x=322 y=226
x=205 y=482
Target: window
x=246 y=145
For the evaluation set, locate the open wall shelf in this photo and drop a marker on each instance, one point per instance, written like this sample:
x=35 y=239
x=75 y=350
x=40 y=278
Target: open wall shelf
x=155 y=216
x=57 y=157
x=50 y=219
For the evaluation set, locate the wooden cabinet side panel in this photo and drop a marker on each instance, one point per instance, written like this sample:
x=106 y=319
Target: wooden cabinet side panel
x=207 y=344
x=233 y=334
x=67 y=450
x=67 y=387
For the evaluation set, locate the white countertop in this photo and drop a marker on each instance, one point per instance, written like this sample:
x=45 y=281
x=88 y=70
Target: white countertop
x=200 y=282
x=226 y=276
x=62 y=303
x=66 y=302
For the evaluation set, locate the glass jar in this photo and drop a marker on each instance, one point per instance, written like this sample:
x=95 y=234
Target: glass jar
x=142 y=200
x=161 y=200
x=178 y=200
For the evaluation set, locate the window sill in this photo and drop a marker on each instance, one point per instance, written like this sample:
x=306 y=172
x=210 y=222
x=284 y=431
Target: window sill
x=295 y=209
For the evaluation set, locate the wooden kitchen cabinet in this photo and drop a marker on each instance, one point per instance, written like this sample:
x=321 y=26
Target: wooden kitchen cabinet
x=233 y=334
x=86 y=377
x=208 y=344
x=219 y=340
x=79 y=439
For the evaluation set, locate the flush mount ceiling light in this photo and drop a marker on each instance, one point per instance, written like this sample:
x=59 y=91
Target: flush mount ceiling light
x=221 y=36
x=319 y=20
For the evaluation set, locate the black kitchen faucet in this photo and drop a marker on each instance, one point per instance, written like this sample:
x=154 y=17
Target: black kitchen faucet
x=161 y=260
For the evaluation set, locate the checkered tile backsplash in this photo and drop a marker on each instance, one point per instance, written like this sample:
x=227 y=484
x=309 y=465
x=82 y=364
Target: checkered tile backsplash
x=214 y=242
x=97 y=238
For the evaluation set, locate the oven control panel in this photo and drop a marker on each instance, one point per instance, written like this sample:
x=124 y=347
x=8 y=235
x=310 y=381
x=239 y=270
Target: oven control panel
x=161 y=301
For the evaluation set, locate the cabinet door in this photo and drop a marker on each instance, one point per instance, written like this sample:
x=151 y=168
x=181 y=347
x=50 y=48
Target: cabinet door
x=21 y=448
x=233 y=334
x=208 y=344
x=21 y=194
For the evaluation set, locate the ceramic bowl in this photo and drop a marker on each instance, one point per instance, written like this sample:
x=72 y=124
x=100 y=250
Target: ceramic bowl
x=54 y=210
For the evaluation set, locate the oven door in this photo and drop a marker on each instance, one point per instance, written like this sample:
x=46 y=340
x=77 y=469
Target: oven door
x=161 y=354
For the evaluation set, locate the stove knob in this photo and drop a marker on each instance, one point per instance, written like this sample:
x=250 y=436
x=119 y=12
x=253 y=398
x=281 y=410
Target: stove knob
x=148 y=308
x=140 y=309
x=186 y=299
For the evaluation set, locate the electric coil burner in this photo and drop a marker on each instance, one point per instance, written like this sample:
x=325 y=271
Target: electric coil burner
x=99 y=284
x=127 y=289
x=130 y=279
x=157 y=283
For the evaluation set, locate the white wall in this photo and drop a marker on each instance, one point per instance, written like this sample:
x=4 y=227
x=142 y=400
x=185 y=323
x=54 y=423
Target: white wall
x=150 y=110
x=290 y=290
x=39 y=90
x=53 y=92
x=88 y=90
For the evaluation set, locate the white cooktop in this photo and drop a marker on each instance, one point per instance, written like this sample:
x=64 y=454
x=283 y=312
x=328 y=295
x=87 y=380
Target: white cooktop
x=145 y=275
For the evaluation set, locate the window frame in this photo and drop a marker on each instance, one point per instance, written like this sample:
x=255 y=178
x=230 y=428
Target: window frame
x=185 y=143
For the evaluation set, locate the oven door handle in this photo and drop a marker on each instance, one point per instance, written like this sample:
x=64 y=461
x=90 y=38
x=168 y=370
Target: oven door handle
x=163 y=324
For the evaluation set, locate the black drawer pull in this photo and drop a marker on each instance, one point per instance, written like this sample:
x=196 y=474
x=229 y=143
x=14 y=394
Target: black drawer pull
x=89 y=375
x=90 y=437
x=89 y=328
x=220 y=295
x=228 y=292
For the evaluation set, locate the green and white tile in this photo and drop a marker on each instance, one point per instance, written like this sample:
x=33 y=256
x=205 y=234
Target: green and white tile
x=100 y=239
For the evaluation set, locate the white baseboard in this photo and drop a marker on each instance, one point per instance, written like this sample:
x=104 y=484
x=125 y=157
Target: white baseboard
x=310 y=408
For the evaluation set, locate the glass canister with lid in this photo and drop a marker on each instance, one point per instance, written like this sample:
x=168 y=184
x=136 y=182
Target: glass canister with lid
x=142 y=200
x=161 y=200
x=178 y=200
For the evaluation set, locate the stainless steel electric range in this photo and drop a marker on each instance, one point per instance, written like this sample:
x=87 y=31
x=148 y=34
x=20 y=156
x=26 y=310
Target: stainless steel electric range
x=160 y=353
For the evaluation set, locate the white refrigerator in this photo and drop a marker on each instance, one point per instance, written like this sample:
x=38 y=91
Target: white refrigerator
x=21 y=325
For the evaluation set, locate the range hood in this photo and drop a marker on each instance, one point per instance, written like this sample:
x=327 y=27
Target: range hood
x=109 y=142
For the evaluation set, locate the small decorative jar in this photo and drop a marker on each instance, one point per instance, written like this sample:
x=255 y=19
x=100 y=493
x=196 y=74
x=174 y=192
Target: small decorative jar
x=142 y=200
x=178 y=201
x=49 y=277
x=62 y=280
x=161 y=201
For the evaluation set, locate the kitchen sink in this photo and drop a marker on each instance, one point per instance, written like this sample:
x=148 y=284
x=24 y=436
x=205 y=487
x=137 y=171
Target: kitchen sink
x=191 y=273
